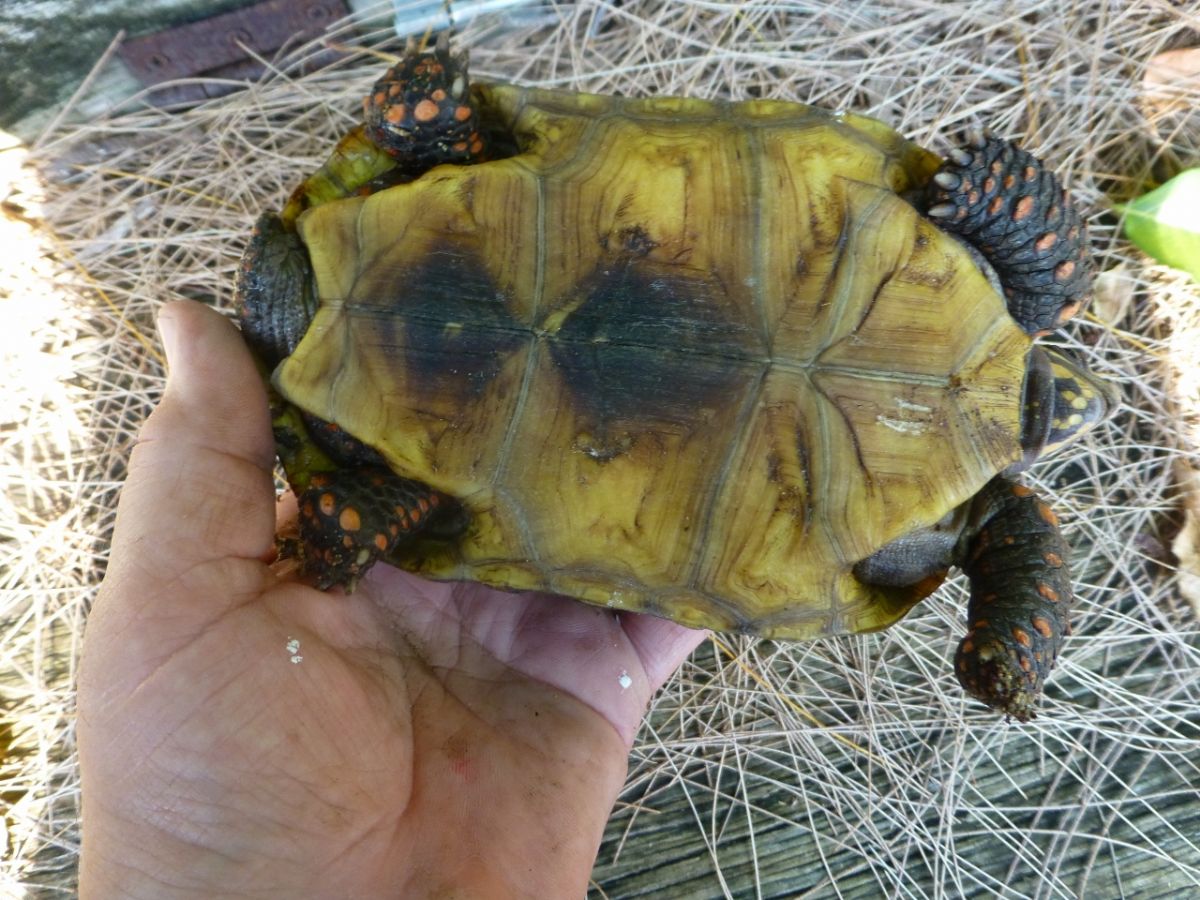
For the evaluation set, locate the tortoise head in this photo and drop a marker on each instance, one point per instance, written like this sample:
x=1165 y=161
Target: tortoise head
x=1063 y=400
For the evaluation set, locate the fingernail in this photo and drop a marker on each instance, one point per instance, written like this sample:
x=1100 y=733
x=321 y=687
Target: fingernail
x=168 y=330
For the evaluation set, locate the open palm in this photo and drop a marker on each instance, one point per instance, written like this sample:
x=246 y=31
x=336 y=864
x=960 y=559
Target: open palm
x=241 y=733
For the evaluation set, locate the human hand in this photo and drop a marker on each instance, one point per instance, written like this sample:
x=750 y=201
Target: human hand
x=243 y=734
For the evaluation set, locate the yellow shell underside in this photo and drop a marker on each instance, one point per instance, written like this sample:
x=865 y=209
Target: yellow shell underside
x=683 y=357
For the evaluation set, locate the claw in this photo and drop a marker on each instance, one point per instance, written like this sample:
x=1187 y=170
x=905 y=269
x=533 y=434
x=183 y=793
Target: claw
x=942 y=210
x=947 y=180
x=977 y=138
x=961 y=157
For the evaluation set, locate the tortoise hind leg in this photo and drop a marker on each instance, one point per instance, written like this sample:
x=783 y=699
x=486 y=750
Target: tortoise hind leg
x=1015 y=212
x=420 y=112
x=919 y=556
x=417 y=116
x=1016 y=560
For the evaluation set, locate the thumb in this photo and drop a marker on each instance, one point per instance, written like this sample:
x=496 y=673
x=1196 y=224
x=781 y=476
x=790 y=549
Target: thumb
x=199 y=489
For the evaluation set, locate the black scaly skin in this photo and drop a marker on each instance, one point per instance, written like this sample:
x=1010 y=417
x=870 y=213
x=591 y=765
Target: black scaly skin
x=354 y=510
x=360 y=511
x=1021 y=596
x=1014 y=210
x=340 y=445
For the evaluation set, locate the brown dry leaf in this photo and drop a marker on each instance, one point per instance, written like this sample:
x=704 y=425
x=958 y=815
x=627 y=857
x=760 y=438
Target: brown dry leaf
x=1171 y=88
x=1178 y=312
x=1113 y=294
x=1186 y=545
x=1172 y=75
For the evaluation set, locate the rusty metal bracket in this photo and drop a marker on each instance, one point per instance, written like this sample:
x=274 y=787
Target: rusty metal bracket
x=221 y=47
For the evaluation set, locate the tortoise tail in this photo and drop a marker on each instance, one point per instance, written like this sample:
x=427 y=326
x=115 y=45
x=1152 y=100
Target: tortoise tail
x=1014 y=210
x=1016 y=560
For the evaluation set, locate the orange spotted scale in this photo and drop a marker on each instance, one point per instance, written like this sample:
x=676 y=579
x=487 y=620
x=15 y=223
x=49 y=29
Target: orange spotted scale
x=421 y=113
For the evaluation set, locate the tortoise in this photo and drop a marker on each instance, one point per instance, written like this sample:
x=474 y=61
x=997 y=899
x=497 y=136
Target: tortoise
x=752 y=366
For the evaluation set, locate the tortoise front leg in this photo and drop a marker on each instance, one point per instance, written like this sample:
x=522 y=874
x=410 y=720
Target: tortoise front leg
x=1014 y=211
x=417 y=116
x=350 y=518
x=354 y=510
x=1021 y=595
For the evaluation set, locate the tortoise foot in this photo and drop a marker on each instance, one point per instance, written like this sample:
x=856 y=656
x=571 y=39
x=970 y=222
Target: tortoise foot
x=1014 y=210
x=420 y=111
x=1020 y=599
x=351 y=518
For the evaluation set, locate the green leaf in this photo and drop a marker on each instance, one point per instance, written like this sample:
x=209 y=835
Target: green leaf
x=1165 y=223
